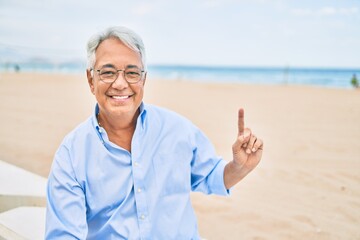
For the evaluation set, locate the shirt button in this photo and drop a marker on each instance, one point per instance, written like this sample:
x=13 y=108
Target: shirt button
x=139 y=190
x=136 y=164
x=142 y=217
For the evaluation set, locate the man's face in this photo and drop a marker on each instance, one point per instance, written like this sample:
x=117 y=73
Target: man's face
x=118 y=98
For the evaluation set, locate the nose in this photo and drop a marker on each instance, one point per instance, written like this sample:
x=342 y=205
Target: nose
x=120 y=82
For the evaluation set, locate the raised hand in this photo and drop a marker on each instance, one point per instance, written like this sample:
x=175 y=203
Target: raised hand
x=247 y=152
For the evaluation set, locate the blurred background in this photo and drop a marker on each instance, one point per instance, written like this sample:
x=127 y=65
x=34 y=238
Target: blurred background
x=259 y=41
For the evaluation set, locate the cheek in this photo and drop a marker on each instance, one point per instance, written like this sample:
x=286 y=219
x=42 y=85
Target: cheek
x=139 y=89
x=98 y=90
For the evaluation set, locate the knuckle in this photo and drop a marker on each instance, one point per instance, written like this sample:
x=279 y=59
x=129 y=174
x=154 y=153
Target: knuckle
x=260 y=144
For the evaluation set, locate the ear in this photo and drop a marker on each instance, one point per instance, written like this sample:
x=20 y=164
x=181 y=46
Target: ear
x=144 y=79
x=90 y=81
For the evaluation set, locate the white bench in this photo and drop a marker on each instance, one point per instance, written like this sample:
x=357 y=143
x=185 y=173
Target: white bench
x=19 y=187
x=23 y=223
x=22 y=203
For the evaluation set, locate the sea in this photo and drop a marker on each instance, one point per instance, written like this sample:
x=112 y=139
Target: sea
x=322 y=77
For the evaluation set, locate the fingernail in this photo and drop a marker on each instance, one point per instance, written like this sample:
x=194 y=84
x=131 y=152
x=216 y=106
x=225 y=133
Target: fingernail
x=248 y=151
x=254 y=149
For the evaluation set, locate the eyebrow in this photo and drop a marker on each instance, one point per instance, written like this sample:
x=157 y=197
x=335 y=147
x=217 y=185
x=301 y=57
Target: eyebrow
x=132 y=66
x=108 y=65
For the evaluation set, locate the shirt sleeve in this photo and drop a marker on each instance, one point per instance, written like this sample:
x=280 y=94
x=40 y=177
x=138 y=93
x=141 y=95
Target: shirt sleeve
x=207 y=169
x=66 y=209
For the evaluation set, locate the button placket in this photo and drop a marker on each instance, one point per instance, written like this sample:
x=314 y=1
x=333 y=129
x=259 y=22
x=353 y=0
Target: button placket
x=139 y=187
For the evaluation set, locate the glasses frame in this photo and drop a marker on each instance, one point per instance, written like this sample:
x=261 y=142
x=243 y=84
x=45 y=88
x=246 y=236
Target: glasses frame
x=117 y=74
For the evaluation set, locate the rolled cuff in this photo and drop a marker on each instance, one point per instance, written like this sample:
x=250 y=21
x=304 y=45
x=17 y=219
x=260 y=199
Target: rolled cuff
x=216 y=180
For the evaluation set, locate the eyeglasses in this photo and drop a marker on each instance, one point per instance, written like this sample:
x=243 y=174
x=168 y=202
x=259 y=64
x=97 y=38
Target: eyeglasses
x=108 y=74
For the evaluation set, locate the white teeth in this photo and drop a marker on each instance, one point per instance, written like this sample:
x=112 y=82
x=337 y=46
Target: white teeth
x=120 y=97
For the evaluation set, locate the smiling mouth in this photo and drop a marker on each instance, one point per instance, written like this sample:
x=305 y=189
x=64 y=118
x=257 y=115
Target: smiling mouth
x=121 y=97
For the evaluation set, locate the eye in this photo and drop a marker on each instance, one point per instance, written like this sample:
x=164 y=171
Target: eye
x=132 y=74
x=107 y=72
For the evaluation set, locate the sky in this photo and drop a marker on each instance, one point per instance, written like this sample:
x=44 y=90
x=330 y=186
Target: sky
x=322 y=33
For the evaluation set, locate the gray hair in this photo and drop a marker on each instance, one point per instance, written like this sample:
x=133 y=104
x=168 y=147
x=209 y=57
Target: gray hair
x=125 y=35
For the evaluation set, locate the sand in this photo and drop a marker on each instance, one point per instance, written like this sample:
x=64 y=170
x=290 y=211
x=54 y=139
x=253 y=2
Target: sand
x=306 y=187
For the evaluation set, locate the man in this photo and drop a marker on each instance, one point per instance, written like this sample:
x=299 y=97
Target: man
x=127 y=172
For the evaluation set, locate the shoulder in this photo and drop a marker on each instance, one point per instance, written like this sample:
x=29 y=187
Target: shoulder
x=79 y=133
x=166 y=116
x=75 y=145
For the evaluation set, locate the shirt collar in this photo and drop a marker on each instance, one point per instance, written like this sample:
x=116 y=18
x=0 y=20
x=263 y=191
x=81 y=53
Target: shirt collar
x=143 y=114
x=94 y=117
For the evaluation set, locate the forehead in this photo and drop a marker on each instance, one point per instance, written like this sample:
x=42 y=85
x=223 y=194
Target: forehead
x=113 y=51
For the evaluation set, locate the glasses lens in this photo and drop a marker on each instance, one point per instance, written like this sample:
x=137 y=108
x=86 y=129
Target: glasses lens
x=132 y=74
x=108 y=74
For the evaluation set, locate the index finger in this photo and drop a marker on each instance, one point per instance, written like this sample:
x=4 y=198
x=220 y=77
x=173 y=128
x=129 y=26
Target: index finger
x=241 y=124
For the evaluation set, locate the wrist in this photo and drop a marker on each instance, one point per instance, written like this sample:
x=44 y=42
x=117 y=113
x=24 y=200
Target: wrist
x=236 y=165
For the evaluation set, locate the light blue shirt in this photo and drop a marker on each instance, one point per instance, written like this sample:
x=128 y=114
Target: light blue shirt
x=98 y=190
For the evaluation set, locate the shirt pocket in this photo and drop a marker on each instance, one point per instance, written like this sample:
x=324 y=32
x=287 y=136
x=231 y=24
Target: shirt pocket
x=172 y=173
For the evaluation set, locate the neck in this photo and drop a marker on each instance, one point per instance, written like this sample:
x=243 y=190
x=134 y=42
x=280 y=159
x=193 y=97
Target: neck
x=117 y=123
x=120 y=130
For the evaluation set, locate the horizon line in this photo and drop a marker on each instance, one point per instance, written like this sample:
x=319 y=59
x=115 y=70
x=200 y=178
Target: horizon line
x=4 y=64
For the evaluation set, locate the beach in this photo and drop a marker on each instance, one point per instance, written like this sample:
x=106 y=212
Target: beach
x=307 y=185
